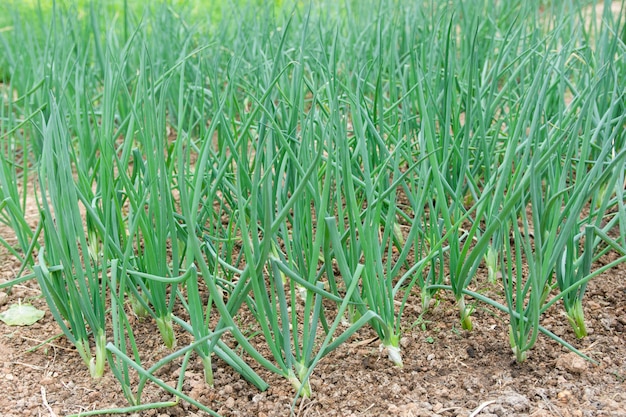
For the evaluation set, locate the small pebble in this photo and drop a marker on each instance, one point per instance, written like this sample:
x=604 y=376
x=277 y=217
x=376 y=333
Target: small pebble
x=3 y=298
x=564 y=396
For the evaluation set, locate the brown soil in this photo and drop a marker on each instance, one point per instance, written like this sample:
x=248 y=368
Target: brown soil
x=447 y=371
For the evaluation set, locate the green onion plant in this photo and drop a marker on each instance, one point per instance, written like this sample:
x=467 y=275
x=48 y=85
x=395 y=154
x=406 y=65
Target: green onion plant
x=73 y=284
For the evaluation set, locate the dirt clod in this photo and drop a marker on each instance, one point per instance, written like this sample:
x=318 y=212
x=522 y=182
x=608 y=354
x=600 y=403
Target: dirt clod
x=572 y=363
x=516 y=402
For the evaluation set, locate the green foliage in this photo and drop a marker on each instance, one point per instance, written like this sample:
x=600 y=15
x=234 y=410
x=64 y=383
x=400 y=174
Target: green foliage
x=306 y=165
